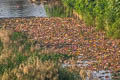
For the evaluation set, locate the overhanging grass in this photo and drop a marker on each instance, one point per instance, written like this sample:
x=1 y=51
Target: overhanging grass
x=12 y=58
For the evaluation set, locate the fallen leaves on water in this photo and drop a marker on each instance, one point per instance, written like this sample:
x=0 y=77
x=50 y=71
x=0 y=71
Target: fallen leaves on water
x=66 y=35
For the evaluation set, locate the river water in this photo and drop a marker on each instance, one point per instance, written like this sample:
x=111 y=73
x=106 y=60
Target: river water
x=20 y=8
x=24 y=8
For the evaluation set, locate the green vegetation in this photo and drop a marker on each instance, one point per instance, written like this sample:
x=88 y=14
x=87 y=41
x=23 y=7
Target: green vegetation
x=104 y=14
x=53 y=56
x=56 y=10
x=35 y=69
x=1 y=46
x=116 y=75
x=22 y=61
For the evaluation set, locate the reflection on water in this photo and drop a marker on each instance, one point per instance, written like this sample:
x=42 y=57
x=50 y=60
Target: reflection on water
x=24 y=8
x=56 y=9
x=100 y=75
x=20 y=8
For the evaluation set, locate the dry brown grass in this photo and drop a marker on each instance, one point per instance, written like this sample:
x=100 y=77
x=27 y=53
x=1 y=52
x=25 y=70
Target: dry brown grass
x=5 y=55
x=4 y=36
x=33 y=69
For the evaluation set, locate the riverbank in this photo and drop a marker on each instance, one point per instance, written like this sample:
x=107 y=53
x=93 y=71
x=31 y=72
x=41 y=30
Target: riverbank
x=103 y=15
x=22 y=59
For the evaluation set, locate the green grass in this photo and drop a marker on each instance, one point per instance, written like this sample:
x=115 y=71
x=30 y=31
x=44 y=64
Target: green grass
x=18 y=36
x=12 y=58
x=116 y=74
x=53 y=56
x=64 y=74
x=1 y=46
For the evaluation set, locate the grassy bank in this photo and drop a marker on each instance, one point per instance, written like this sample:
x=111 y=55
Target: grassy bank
x=21 y=59
x=104 y=14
